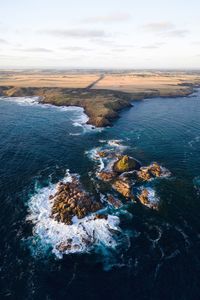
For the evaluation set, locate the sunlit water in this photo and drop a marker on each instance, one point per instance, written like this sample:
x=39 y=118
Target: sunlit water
x=156 y=255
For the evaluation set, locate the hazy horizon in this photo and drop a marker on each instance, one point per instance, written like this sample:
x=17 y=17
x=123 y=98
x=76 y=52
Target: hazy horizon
x=87 y=35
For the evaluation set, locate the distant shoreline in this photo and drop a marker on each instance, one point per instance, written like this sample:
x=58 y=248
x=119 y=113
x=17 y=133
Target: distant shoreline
x=101 y=106
x=101 y=95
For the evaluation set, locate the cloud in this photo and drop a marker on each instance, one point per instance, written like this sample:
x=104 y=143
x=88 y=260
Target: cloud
x=177 y=33
x=75 y=33
x=2 y=41
x=75 y=48
x=103 y=42
x=153 y=46
x=110 y=18
x=37 y=50
x=150 y=47
x=166 y=29
x=120 y=50
x=158 y=26
x=196 y=43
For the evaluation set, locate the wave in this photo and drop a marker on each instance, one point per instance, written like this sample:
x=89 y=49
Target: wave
x=82 y=236
x=79 y=118
x=93 y=155
x=196 y=183
x=24 y=101
x=117 y=144
x=153 y=199
x=194 y=142
x=106 y=162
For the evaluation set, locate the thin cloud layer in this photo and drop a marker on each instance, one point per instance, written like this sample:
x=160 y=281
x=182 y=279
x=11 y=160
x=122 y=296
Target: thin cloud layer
x=2 y=41
x=108 y=34
x=166 y=29
x=37 y=50
x=74 y=33
x=158 y=26
x=178 y=33
x=75 y=48
x=110 y=18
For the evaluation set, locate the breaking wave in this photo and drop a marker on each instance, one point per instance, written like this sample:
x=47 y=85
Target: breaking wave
x=79 y=118
x=82 y=236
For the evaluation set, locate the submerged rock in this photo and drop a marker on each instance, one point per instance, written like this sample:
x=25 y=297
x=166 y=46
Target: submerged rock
x=125 y=164
x=150 y=172
x=71 y=200
x=100 y=216
x=106 y=176
x=102 y=154
x=147 y=198
x=116 y=203
x=123 y=186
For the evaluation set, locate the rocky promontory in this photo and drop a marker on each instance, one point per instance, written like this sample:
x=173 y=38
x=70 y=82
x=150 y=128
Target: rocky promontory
x=101 y=106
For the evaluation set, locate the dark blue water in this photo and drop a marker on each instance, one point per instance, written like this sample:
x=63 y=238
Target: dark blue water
x=161 y=259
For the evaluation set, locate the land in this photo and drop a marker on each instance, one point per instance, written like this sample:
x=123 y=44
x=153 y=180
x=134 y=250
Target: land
x=102 y=94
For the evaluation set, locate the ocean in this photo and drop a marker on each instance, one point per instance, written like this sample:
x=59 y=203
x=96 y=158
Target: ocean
x=137 y=253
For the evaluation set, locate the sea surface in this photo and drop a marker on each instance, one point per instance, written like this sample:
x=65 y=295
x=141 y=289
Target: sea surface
x=156 y=254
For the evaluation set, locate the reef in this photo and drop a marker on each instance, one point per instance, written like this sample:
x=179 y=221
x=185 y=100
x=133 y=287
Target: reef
x=73 y=220
x=125 y=175
x=147 y=198
x=152 y=171
x=71 y=200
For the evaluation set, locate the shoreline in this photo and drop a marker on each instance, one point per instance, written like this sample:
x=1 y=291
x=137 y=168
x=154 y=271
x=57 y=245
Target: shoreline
x=102 y=106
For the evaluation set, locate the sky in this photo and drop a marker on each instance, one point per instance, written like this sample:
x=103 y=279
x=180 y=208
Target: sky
x=117 y=34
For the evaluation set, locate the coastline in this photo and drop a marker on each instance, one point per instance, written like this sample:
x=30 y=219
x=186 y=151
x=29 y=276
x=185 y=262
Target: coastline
x=102 y=106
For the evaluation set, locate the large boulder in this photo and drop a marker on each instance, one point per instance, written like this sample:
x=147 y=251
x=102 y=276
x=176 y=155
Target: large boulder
x=116 y=203
x=106 y=176
x=71 y=200
x=152 y=171
x=125 y=164
x=147 y=197
x=123 y=186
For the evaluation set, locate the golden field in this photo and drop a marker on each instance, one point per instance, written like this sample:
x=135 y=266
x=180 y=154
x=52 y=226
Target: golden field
x=132 y=82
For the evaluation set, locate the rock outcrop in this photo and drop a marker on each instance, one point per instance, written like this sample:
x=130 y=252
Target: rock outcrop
x=71 y=200
x=150 y=172
x=106 y=176
x=123 y=186
x=125 y=164
x=116 y=203
x=146 y=199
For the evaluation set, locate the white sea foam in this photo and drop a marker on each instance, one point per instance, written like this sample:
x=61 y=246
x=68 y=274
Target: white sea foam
x=196 y=182
x=82 y=236
x=194 y=142
x=152 y=196
x=165 y=173
x=117 y=144
x=93 y=155
x=79 y=118
x=22 y=100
